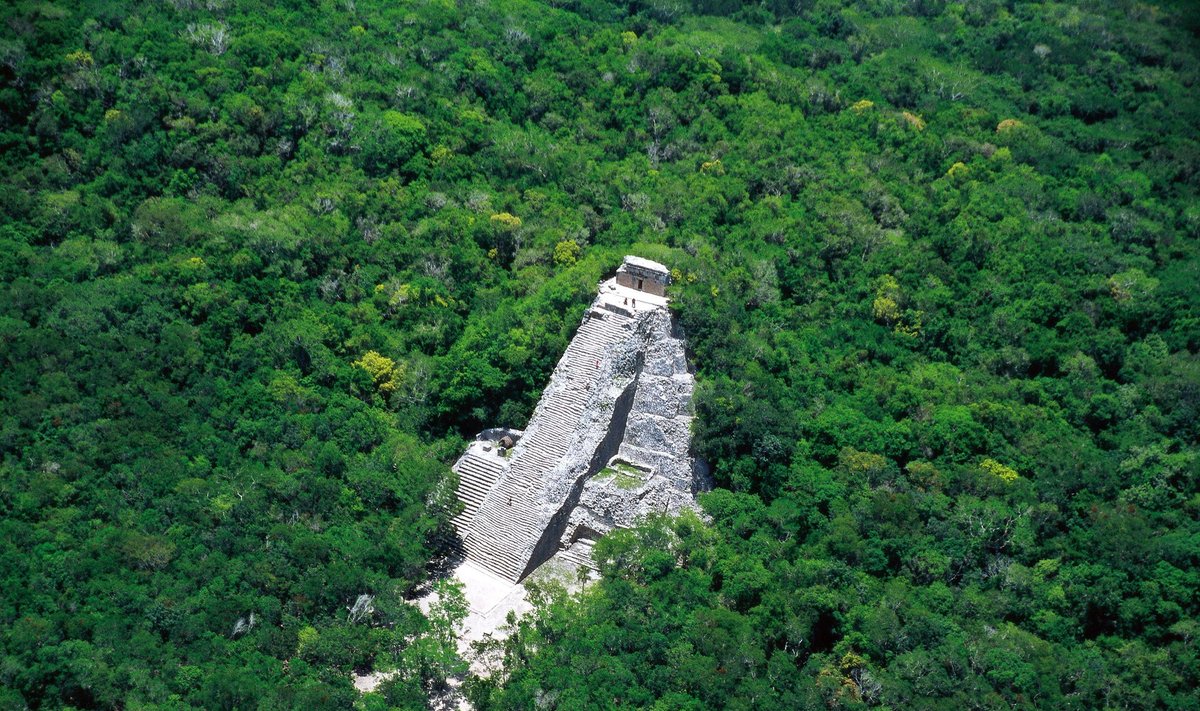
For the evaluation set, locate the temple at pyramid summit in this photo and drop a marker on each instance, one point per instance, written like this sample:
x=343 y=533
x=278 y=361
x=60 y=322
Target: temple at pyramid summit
x=608 y=443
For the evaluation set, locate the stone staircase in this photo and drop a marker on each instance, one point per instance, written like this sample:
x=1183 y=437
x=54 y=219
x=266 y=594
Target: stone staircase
x=476 y=477
x=580 y=554
x=505 y=524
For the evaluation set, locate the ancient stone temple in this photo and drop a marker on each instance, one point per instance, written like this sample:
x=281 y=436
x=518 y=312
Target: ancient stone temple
x=607 y=444
x=643 y=275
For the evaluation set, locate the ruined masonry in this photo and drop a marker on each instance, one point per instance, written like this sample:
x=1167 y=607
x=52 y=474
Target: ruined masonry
x=607 y=444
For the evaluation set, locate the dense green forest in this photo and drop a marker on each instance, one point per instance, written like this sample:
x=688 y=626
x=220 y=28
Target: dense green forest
x=264 y=266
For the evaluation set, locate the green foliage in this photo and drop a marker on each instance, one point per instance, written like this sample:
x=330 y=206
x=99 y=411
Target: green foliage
x=391 y=141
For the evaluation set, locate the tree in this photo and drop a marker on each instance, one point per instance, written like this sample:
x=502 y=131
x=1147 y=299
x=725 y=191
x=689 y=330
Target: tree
x=390 y=141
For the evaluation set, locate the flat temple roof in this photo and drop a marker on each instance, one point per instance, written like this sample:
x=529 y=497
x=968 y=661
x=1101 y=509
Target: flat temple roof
x=646 y=264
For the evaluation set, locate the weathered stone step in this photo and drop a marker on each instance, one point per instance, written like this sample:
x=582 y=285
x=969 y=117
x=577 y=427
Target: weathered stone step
x=580 y=553
x=469 y=478
x=477 y=476
x=473 y=476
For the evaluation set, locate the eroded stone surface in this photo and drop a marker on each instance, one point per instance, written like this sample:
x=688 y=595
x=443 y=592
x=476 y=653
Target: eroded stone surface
x=657 y=436
x=621 y=393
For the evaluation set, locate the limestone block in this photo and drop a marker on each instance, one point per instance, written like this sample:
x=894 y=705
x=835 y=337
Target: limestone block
x=656 y=395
